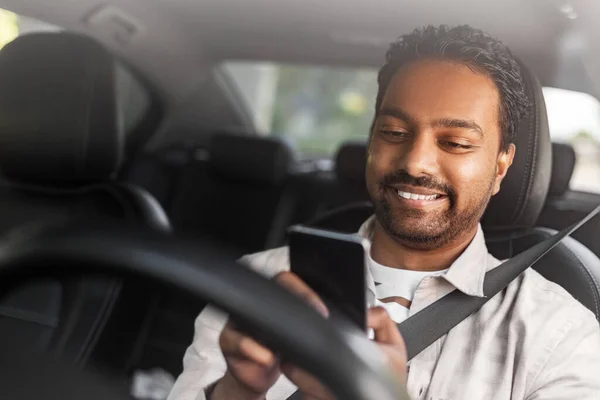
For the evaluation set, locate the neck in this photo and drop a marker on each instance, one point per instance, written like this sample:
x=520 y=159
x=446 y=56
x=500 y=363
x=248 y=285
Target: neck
x=394 y=254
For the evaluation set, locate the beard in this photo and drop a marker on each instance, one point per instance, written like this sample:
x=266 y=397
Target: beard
x=428 y=229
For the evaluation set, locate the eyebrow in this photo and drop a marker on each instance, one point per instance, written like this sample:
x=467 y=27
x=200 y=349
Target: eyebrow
x=396 y=112
x=458 y=123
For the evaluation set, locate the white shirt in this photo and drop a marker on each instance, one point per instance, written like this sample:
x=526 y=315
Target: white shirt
x=392 y=282
x=532 y=341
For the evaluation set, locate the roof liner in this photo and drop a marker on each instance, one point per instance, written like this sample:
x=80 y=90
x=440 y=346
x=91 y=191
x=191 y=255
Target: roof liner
x=183 y=36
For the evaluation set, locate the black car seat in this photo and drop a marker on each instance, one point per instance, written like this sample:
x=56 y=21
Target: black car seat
x=238 y=193
x=509 y=221
x=563 y=206
x=60 y=147
x=349 y=182
x=322 y=190
x=563 y=166
x=158 y=172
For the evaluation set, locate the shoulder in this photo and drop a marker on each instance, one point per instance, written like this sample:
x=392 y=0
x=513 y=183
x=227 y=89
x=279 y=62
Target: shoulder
x=552 y=296
x=557 y=337
x=268 y=263
x=555 y=320
x=544 y=304
x=565 y=345
x=542 y=310
x=539 y=295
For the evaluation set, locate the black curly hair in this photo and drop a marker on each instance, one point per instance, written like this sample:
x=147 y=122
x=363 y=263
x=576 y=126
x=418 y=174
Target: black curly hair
x=479 y=51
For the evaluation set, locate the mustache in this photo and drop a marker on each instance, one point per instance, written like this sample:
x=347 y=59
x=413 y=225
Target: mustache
x=427 y=182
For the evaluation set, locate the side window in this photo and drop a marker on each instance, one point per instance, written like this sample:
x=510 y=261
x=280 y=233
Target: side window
x=316 y=107
x=574 y=118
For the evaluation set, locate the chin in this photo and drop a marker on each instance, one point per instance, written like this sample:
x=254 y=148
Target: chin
x=418 y=232
x=419 y=239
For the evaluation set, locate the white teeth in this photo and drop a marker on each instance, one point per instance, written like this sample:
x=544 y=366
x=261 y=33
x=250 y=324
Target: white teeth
x=414 y=196
x=404 y=194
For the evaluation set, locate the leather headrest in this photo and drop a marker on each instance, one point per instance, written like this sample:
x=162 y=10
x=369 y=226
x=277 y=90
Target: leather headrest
x=524 y=189
x=244 y=157
x=563 y=164
x=351 y=160
x=59 y=120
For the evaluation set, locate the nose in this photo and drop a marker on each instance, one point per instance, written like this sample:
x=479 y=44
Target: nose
x=420 y=156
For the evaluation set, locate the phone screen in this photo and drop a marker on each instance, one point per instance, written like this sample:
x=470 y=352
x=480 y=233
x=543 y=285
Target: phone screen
x=333 y=265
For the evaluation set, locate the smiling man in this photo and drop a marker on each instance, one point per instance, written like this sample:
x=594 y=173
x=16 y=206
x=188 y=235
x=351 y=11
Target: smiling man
x=448 y=106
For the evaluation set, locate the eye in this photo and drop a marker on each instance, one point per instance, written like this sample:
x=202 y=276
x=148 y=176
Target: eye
x=393 y=134
x=457 y=146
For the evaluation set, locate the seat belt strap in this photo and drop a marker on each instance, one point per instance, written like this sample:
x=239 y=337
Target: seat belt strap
x=434 y=321
x=428 y=325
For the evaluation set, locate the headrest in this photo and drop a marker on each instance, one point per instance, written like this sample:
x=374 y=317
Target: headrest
x=250 y=158
x=563 y=164
x=59 y=119
x=350 y=162
x=524 y=189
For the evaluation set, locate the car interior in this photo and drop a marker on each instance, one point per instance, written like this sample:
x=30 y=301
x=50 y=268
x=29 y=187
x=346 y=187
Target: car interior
x=227 y=122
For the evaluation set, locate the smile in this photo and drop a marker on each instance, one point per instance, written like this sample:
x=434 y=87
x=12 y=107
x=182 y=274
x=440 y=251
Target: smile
x=415 y=196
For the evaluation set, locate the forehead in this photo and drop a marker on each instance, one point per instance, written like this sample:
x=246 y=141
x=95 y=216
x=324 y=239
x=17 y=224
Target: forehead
x=434 y=89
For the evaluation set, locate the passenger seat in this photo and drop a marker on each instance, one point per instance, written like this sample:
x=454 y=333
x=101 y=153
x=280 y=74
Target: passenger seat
x=61 y=145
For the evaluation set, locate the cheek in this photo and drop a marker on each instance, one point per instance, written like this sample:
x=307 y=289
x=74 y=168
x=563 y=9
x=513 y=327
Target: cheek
x=471 y=178
x=377 y=159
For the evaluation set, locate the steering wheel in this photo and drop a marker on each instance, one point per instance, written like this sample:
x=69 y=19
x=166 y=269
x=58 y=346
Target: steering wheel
x=349 y=364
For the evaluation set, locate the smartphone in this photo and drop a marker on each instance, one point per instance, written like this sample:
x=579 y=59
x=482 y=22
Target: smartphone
x=333 y=265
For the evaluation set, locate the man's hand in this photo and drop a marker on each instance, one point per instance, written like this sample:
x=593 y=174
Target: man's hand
x=389 y=340
x=253 y=369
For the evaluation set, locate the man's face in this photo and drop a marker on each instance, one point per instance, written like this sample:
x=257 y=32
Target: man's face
x=434 y=159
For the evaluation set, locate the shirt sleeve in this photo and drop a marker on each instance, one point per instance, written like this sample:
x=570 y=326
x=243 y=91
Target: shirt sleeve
x=573 y=369
x=203 y=362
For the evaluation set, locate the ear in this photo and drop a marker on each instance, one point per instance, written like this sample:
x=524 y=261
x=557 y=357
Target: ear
x=505 y=160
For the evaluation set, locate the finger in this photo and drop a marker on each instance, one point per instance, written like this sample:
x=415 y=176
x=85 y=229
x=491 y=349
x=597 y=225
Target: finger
x=235 y=344
x=297 y=286
x=385 y=329
x=310 y=387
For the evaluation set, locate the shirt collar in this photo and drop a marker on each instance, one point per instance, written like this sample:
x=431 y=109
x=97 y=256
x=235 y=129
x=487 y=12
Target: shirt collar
x=466 y=273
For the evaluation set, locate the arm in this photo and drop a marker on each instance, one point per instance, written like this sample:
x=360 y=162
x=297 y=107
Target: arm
x=572 y=370
x=203 y=363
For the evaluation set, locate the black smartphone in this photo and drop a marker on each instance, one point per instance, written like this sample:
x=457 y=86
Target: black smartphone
x=333 y=265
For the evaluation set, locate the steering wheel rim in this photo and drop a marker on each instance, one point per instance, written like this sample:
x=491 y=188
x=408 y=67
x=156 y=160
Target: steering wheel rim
x=344 y=359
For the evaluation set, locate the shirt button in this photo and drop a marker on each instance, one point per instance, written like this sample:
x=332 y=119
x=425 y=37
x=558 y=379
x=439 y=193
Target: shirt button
x=420 y=391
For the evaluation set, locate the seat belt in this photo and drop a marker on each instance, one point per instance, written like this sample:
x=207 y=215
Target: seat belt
x=428 y=325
